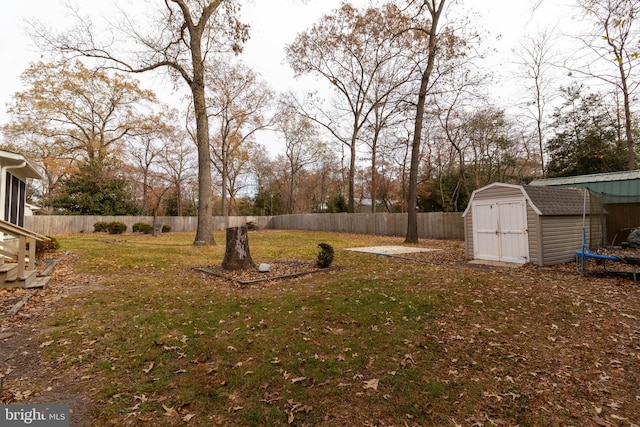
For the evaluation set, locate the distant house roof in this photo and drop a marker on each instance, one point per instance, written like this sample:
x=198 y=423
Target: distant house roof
x=35 y=210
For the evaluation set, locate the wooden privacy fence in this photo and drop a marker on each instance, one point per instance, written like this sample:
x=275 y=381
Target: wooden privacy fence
x=53 y=224
x=431 y=225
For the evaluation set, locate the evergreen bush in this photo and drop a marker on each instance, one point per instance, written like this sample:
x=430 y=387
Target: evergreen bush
x=100 y=227
x=325 y=256
x=116 y=227
x=142 y=227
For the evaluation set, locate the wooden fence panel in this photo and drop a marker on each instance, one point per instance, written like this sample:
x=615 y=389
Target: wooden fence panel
x=67 y=224
x=434 y=225
x=431 y=225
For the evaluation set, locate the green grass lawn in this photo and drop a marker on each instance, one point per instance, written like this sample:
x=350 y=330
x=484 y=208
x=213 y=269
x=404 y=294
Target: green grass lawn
x=376 y=341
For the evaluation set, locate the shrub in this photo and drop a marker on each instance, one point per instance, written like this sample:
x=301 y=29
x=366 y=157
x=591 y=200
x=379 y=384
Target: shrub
x=100 y=227
x=47 y=245
x=166 y=228
x=325 y=256
x=142 y=227
x=116 y=227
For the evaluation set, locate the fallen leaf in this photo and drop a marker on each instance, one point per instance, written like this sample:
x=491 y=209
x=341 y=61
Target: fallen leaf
x=270 y=398
x=22 y=395
x=170 y=412
x=373 y=384
x=298 y=379
x=151 y=365
x=614 y=405
x=188 y=417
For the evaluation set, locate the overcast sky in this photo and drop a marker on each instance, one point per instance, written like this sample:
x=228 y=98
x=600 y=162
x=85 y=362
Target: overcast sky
x=274 y=23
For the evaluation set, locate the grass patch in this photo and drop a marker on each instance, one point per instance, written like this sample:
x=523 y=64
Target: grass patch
x=378 y=341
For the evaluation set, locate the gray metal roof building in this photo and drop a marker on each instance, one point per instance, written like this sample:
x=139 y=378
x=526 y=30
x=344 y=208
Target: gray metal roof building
x=625 y=183
x=616 y=202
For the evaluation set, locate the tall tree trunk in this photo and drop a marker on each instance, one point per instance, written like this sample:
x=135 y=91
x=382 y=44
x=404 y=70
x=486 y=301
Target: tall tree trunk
x=291 y=201
x=204 y=230
x=352 y=176
x=628 y=119
x=374 y=181
x=412 y=203
x=224 y=207
x=179 y=200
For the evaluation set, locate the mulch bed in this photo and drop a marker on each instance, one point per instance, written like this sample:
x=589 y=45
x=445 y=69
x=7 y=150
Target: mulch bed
x=278 y=270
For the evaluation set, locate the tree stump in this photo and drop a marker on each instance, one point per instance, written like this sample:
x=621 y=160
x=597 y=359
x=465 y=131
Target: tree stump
x=236 y=254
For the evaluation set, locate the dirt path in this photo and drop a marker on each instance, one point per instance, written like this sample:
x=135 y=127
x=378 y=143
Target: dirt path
x=26 y=376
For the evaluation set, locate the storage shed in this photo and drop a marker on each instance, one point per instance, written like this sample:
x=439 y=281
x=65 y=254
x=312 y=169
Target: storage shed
x=520 y=224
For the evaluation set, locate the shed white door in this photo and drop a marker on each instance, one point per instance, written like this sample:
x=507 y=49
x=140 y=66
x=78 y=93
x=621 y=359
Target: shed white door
x=500 y=231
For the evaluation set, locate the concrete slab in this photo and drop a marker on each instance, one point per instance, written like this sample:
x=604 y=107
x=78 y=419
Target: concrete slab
x=390 y=250
x=495 y=263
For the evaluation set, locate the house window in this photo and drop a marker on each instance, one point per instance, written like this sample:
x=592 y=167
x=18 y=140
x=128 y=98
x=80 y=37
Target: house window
x=14 y=203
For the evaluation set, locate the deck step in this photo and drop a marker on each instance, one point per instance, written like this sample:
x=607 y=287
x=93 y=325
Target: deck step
x=19 y=282
x=39 y=282
x=7 y=270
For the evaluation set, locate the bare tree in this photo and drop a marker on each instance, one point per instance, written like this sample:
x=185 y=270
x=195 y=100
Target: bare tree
x=85 y=113
x=434 y=10
x=537 y=58
x=348 y=49
x=302 y=147
x=237 y=103
x=614 y=40
x=389 y=110
x=182 y=39
x=178 y=165
x=460 y=90
x=144 y=153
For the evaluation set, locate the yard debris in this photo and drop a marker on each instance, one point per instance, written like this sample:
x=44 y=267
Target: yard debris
x=371 y=384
